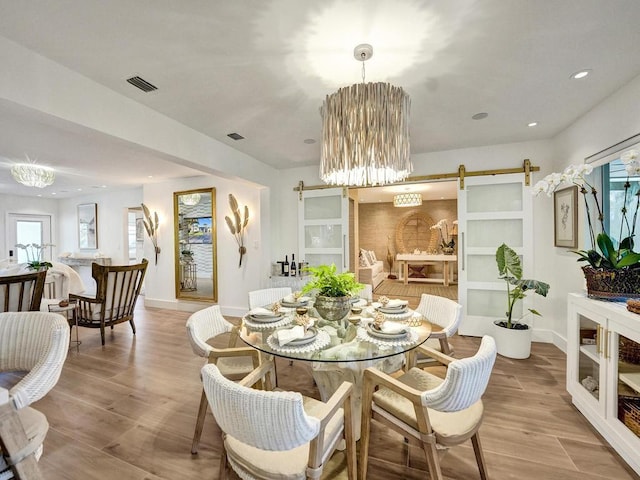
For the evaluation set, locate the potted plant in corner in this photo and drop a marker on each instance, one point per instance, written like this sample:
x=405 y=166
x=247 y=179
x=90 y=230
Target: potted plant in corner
x=333 y=291
x=513 y=337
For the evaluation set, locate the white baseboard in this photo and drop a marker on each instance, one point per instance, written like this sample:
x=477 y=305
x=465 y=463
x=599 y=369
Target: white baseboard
x=186 y=306
x=560 y=341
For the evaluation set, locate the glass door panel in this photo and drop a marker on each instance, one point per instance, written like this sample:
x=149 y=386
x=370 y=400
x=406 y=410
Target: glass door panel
x=323 y=222
x=589 y=356
x=628 y=394
x=491 y=210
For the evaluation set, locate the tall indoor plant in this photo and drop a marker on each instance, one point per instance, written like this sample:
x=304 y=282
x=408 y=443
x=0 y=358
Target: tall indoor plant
x=333 y=290
x=613 y=270
x=513 y=337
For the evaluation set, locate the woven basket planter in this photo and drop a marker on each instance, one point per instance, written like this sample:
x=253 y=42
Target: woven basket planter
x=613 y=285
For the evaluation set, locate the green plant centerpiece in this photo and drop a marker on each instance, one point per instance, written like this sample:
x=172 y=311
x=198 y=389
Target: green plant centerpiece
x=333 y=291
x=510 y=270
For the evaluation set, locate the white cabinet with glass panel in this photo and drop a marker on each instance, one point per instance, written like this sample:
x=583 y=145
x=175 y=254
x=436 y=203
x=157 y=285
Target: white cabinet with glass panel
x=603 y=371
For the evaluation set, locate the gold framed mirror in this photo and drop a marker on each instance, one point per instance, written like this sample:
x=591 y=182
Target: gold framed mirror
x=194 y=213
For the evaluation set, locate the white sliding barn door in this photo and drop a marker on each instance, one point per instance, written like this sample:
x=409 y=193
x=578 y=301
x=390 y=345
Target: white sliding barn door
x=323 y=222
x=491 y=210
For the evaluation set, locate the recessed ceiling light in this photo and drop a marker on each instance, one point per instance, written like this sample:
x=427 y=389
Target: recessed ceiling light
x=79 y=189
x=53 y=193
x=235 y=136
x=309 y=141
x=150 y=176
x=532 y=124
x=103 y=186
x=39 y=195
x=580 y=74
x=480 y=116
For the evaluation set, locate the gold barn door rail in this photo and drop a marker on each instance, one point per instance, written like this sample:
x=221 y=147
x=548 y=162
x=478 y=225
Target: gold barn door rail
x=526 y=168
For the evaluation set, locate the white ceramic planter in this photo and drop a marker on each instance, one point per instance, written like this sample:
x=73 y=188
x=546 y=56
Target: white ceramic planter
x=512 y=343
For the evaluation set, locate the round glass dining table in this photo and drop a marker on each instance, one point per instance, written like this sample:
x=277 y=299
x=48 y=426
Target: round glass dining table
x=341 y=350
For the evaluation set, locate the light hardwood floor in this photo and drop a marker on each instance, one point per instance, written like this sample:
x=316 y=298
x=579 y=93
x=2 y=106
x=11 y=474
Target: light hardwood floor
x=127 y=411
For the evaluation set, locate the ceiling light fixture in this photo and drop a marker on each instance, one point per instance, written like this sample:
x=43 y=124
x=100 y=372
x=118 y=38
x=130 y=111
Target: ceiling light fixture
x=190 y=199
x=532 y=124
x=33 y=175
x=407 y=200
x=365 y=132
x=480 y=116
x=580 y=74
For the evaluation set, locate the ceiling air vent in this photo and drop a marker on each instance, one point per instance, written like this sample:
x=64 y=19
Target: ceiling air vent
x=142 y=84
x=235 y=136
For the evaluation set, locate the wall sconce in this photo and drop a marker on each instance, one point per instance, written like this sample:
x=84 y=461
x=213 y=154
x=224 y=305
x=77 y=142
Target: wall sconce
x=237 y=225
x=151 y=226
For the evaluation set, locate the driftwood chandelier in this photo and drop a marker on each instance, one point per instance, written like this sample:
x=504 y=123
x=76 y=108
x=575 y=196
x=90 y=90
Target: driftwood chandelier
x=365 y=132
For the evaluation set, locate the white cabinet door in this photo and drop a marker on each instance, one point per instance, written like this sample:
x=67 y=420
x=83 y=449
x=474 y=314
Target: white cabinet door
x=491 y=210
x=586 y=360
x=323 y=222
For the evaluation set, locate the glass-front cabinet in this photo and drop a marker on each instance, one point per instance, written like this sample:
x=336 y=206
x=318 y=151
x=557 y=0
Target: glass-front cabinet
x=603 y=371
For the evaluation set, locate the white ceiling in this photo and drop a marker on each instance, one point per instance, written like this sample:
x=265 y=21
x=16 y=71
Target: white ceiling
x=262 y=69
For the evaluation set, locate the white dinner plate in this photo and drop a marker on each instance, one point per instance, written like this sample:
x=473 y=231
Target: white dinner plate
x=374 y=332
x=265 y=318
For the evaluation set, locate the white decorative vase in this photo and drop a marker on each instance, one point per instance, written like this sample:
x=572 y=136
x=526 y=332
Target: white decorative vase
x=512 y=343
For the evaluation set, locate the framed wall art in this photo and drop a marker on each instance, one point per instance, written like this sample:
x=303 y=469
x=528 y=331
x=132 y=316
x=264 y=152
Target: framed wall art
x=565 y=217
x=88 y=226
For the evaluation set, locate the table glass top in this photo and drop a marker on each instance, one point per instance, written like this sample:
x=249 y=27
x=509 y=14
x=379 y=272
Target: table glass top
x=341 y=341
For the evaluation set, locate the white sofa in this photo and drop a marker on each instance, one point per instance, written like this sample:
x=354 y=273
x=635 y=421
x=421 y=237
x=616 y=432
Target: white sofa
x=371 y=270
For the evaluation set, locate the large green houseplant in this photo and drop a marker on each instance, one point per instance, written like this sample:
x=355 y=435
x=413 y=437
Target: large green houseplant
x=333 y=290
x=508 y=342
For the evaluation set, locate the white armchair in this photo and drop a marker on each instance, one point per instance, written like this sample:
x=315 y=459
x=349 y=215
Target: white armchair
x=428 y=410
x=234 y=362
x=36 y=343
x=266 y=296
x=276 y=435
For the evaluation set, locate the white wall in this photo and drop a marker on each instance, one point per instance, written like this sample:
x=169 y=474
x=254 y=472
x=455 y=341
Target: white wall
x=234 y=283
x=615 y=119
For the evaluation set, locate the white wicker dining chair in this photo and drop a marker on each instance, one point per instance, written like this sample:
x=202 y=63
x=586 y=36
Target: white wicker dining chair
x=428 y=410
x=267 y=296
x=278 y=434
x=234 y=362
x=35 y=343
x=440 y=311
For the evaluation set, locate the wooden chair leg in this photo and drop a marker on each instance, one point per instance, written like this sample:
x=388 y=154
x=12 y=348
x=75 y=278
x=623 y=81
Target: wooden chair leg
x=222 y=474
x=365 y=428
x=477 y=449
x=433 y=460
x=13 y=441
x=350 y=440
x=102 y=333
x=202 y=412
x=133 y=326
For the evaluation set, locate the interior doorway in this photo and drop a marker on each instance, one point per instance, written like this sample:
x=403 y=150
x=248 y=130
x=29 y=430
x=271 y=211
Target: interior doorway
x=389 y=230
x=135 y=235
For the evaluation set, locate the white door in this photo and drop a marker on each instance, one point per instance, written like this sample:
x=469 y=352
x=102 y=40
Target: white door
x=323 y=227
x=491 y=210
x=28 y=229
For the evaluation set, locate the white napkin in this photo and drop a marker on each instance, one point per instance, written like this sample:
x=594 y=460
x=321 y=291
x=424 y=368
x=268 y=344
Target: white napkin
x=397 y=303
x=287 y=335
x=262 y=312
x=360 y=303
x=392 y=328
x=292 y=299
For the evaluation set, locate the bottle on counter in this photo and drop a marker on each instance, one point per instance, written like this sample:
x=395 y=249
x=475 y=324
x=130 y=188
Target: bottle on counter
x=286 y=266
x=11 y=259
x=293 y=265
